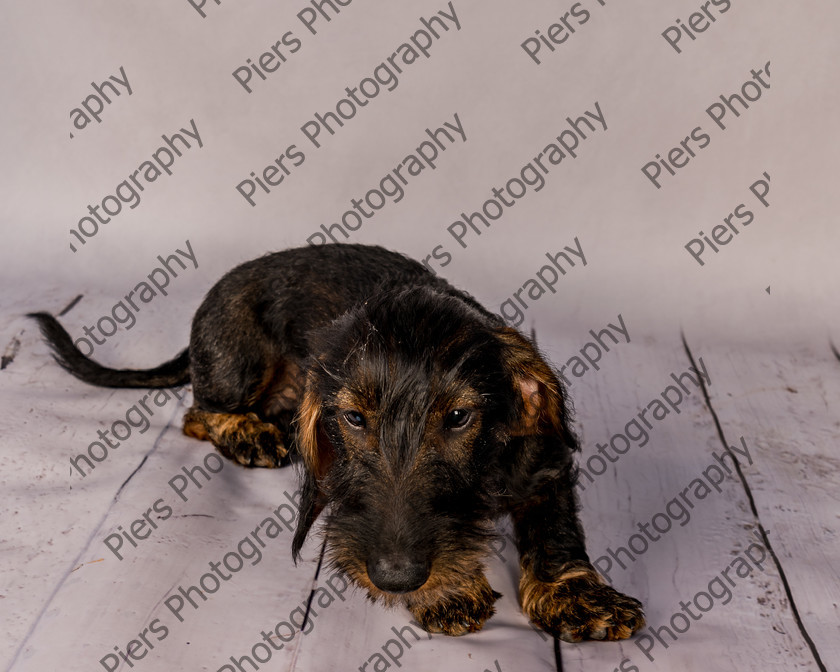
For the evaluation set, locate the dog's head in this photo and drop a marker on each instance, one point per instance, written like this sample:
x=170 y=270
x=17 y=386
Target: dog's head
x=414 y=407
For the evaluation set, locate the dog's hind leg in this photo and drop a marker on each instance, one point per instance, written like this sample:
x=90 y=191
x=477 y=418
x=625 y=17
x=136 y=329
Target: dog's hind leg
x=243 y=438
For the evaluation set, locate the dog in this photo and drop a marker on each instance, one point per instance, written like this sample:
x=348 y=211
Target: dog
x=419 y=417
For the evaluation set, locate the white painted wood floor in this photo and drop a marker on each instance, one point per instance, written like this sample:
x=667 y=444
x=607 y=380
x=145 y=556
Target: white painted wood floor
x=67 y=601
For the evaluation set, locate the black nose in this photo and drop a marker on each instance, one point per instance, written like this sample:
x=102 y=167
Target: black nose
x=397 y=573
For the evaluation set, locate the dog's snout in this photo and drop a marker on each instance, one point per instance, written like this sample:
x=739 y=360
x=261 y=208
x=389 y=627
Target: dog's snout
x=397 y=573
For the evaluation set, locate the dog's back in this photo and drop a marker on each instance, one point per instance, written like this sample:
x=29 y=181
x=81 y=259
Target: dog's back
x=294 y=292
x=288 y=294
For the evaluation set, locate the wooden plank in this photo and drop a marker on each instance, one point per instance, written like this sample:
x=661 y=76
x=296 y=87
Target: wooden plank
x=201 y=585
x=81 y=613
x=752 y=629
x=787 y=398
x=48 y=418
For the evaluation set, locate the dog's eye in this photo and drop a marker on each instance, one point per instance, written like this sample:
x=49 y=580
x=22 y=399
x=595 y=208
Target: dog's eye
x=457 y=419
x=355 y=419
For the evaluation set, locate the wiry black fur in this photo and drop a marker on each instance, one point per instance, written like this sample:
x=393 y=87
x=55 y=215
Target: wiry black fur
x=333 y=334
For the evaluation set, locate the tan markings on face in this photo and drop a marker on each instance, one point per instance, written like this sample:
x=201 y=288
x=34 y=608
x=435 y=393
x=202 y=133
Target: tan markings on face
x=450 y=574
x=441 y=433
x=453 y=443
x=358 y=439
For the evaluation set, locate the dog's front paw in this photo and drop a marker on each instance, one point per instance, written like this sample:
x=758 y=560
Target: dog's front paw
x=579 y=605
x=258 y=444
x=460 y=613
x=243 y=438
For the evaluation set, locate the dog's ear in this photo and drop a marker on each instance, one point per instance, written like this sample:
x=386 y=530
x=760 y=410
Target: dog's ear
x=312 y=502
x=543 y=410
x=317 y=455
x=311 y=445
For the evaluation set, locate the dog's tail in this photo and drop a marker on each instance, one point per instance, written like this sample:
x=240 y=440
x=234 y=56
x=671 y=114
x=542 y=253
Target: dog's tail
x=169 y=374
